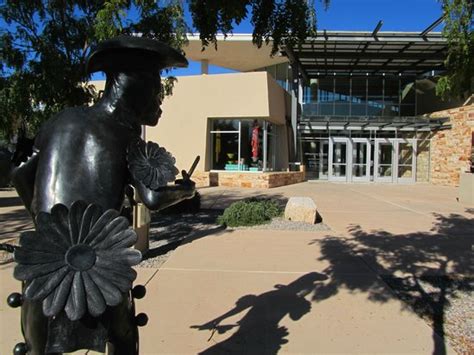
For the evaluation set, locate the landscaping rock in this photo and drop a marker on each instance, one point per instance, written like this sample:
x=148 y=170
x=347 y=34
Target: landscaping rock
x=301 y=209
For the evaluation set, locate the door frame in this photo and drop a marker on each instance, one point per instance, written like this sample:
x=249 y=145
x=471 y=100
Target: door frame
x=365 y=178
x=348 y=164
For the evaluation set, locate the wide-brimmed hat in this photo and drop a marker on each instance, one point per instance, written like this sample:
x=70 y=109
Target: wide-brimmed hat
x=131 y=53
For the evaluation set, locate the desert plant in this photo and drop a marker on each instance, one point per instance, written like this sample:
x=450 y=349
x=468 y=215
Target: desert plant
x=250 y=212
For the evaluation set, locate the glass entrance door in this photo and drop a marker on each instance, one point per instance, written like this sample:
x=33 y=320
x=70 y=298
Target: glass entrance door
x=406 y=160
x=316 y=159
x=339 y=159
x=360 y=159
x=383 y=160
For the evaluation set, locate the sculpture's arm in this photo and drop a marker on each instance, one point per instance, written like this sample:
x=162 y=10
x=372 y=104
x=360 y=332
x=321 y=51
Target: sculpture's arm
x=23 y=178
x=165 y=196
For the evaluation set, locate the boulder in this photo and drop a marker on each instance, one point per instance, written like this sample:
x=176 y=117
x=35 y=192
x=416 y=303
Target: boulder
x=301 y=209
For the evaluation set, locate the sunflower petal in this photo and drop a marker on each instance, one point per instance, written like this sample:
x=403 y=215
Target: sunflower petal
x=123 y=239
x=42 y=286
x=76 y=302
x=90 y=217
x=111 y=293
x=129 y=257
x=24 y=272
x=55 y=302
x=116 y=225
x=34 y=241
x=30 y=257
x=59 y=217
x=95 y=301
x=101 y=223
x=75 y=217
x=111 y=265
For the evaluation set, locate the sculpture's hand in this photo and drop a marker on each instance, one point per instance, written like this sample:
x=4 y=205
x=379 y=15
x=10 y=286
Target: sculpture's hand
x=186 y=183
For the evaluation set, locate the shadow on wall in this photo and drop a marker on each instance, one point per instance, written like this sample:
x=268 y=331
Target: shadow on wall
x=258 y=330
x=425 y=270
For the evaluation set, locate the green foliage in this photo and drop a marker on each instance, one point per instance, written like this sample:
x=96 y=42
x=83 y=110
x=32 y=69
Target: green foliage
x=250 y=212
x=46 y=42
x=459 y=80
x=44 y=50
x=283 y=21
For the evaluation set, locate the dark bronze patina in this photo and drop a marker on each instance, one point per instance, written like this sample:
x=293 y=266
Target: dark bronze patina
x=80 y=158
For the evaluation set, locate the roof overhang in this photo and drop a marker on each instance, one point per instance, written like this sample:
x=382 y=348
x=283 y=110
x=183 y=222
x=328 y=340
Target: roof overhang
x=312 y=124
x=359 y=53
x=235 y=52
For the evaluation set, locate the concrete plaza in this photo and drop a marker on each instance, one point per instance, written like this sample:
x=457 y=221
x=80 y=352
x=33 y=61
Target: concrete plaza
x=266 y=291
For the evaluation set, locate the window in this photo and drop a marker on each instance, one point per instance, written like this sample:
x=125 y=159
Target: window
x=242 y=145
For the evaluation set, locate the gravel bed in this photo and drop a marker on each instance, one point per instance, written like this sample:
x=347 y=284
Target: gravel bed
x=283 y=224
x=457 y=312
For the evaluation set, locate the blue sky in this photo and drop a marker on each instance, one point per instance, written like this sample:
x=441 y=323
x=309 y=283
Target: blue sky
x=356 y=15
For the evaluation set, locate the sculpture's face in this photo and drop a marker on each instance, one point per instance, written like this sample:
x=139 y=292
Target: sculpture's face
x=149 y=111
x=141 y=93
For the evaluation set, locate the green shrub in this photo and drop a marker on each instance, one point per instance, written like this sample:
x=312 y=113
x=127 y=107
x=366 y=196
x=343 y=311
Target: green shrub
x=250 y=212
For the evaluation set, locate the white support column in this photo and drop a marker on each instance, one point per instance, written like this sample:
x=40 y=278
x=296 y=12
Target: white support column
x=204 y=66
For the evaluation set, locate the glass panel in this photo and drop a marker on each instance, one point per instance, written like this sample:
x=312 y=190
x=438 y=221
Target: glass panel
x=271 y=147
x=375 y=98
x=225 y=150
x=385 y=153
x=385 y=160
x=326 y=89
x=359 y=154
x=339 y=170
x=391 y=96
x=324 y=159
x=251 y=145
x=385 y=170
x=359 y=96
x=225 y=125
x=316 y=159
x=405 y=171
x=339 y=153
x=359 y=170
x=405 y=153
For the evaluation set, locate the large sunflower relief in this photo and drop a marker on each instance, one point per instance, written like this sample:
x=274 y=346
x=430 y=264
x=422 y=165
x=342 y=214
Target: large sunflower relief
x=151 y=164
x=78 y=260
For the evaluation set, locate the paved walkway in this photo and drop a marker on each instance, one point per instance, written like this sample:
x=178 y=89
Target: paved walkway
x=263 y=292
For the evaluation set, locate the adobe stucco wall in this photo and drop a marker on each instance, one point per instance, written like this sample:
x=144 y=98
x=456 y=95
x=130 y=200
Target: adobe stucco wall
x=183 y=128
x=451 y=148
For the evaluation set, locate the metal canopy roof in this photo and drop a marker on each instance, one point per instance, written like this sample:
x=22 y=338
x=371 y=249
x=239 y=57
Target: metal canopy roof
x=310 y=124
x=359 y=53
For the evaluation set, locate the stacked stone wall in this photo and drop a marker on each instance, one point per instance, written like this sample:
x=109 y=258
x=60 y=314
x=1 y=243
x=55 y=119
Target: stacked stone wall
x=248 y=180
x=451 y=148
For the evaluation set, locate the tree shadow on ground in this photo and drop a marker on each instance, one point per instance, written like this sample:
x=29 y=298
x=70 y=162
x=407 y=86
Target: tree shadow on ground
x=15 y=222
x=168 y=232
x=258 y=330
x=424 y=269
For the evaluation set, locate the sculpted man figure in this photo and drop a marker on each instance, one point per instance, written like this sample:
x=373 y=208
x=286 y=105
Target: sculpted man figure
x=82 y=162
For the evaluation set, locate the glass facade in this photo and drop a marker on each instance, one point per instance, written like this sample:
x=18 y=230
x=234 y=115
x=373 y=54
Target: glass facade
x=375 y=95
x=242 y=145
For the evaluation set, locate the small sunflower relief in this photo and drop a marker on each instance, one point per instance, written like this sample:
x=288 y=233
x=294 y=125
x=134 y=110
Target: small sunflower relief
x=78 y=260
x=151 y=164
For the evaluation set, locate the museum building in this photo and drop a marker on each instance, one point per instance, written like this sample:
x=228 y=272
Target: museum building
x=343 y=106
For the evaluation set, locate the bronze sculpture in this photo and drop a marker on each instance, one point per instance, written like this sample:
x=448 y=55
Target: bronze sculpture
x=76 y=266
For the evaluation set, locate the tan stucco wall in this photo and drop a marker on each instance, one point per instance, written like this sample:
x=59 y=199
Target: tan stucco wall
x=183 y=127
x=451 y=148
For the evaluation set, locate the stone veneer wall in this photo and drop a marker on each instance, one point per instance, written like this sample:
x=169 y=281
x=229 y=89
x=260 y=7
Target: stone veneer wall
x=248 y=180
x=451 y=148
